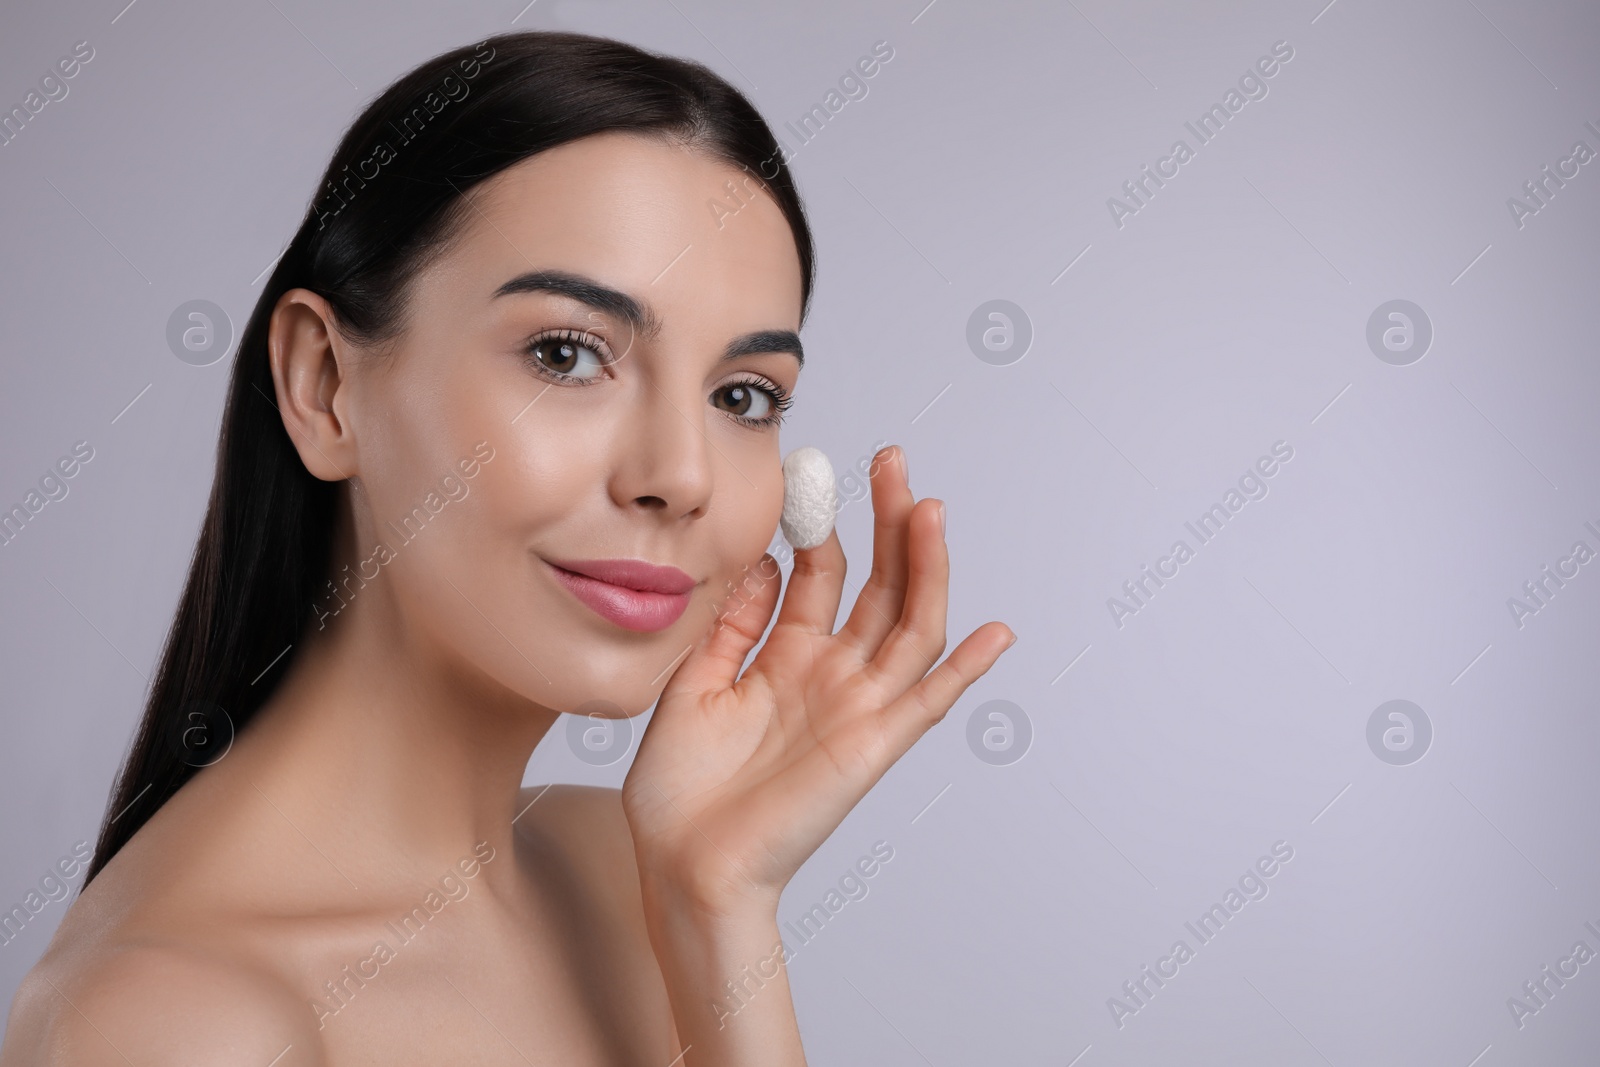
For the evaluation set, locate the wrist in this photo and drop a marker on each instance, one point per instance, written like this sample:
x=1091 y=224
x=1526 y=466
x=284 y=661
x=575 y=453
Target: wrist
x=704 y=905
x=717 y=943
x=726 y=975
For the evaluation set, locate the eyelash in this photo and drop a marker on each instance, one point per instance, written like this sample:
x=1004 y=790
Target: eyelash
x=781 y=400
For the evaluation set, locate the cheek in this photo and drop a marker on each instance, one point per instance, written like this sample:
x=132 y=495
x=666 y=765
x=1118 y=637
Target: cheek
x=407 y=456
x=546 y=477
x=421 y=432
x=471 y=579
x=748 y=528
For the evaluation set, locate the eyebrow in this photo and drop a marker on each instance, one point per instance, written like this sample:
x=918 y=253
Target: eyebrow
x=639 y=315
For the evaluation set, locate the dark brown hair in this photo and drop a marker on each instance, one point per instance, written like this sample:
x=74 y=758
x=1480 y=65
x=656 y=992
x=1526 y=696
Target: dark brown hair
x=392 y=195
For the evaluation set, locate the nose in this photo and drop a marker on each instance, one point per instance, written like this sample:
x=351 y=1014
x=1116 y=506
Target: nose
x=665 y=464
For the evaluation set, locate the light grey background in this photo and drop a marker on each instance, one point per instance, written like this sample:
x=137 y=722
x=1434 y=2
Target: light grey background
x=1229 y=313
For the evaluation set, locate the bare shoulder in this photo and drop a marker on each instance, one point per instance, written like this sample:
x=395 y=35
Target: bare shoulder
x=155 y=1003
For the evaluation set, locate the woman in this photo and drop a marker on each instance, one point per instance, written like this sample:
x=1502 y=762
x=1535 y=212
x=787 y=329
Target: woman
x=501 y=442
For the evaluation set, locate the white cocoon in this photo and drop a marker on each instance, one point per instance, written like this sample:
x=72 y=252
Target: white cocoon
x=810 y=499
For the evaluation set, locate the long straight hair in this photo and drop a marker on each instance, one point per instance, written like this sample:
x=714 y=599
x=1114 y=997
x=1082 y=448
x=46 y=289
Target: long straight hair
x=393 y=194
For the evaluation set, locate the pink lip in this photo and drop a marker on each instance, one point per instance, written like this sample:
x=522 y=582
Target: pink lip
x=632 y=593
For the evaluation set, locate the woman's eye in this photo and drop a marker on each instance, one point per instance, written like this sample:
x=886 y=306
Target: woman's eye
x=745 y=400
x=567 y=356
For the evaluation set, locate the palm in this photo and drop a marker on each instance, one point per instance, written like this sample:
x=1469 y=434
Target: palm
x=740 y=778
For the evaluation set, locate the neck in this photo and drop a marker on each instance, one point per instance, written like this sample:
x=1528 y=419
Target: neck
x=382 y=745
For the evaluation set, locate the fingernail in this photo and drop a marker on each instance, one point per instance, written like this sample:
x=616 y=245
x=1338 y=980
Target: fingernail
x=905 y=465
x=941 y=518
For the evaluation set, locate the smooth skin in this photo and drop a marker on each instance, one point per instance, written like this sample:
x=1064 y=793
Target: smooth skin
x=603 y=924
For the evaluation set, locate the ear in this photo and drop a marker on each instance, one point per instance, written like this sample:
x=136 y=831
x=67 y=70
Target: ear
x=310 y=364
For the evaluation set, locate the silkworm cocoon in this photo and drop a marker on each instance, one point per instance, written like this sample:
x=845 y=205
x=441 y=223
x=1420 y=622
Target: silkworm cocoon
x=810 y=499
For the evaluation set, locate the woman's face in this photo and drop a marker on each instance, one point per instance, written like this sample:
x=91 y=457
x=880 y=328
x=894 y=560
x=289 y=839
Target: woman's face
x=514 y=425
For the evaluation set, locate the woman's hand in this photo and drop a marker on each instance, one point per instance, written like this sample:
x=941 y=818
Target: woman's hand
x=739 y=779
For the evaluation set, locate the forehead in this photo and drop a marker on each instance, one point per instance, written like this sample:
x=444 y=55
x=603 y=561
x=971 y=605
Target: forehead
x=692 y=236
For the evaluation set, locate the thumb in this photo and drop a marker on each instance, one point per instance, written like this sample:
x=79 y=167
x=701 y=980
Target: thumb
x=741 y=619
